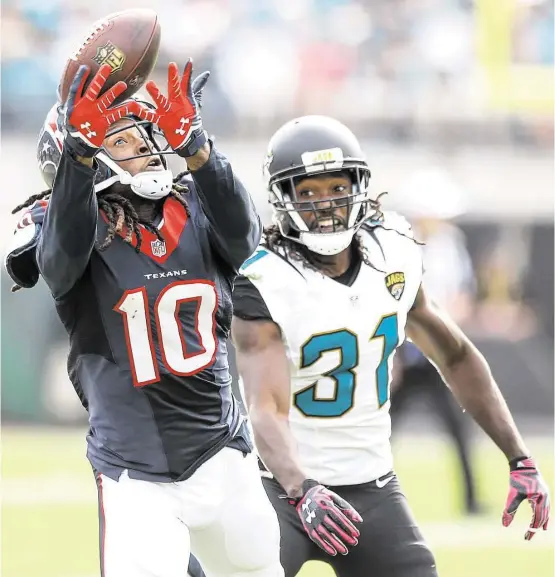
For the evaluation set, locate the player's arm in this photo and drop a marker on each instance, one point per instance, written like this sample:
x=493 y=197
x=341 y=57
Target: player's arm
x=267 y=396
x=234 y=223
x=263 y=366
x=69 y=228
x=262 y=363
x=468 y=375
x=235 y=227
x=465 y=371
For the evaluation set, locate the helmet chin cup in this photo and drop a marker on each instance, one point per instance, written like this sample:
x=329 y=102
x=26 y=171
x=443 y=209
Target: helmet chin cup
x=328 y=243
x=150 y=185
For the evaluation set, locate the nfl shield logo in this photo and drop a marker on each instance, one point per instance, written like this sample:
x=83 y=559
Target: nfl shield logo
x=158 y=247
x=110 y=54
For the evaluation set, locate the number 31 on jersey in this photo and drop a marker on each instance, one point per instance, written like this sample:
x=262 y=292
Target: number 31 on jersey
x=344 y=375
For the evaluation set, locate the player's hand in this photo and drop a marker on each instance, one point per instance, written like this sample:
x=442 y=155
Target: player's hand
x=85 y=117
x=327 y=518
x=178 y=114
x=33 y=215
x=20 y=257
x=526 y=482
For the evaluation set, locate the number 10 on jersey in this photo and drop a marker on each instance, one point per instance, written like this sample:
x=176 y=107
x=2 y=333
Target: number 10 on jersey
x=344 y=375
x=134 y=307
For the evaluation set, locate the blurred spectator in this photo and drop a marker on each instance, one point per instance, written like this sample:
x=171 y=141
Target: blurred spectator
x=533 y=32
x=501 y=273
x=433 y=199
x=396 y=63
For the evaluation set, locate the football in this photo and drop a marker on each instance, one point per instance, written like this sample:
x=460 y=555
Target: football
x=128 y=41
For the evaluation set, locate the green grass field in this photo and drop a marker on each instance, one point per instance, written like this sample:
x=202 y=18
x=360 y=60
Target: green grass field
x=49 y=515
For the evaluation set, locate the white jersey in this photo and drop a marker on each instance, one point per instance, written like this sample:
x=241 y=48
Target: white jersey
x=340 y=341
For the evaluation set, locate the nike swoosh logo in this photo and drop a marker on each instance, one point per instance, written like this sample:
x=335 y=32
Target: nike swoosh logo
x=381 y=484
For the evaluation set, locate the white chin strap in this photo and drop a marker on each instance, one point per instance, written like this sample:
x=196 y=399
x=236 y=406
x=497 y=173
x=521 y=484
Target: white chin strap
x=328 y=243
x=151 y=185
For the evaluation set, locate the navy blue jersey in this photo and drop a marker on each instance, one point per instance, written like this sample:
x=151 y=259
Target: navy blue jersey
x=148 y=329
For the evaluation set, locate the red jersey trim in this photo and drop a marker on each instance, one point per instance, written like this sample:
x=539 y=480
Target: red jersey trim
x=174 y=221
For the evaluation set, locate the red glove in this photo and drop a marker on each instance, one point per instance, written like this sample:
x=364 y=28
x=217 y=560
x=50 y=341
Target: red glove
x=34 y=214
x=327 y=518
x=526 y=482
x=85 y=118
x=178 y=114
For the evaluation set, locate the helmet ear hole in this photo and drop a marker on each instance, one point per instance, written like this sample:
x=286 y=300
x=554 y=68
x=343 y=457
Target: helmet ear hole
x=284 y=223
x=49 y=174
x=49 y=147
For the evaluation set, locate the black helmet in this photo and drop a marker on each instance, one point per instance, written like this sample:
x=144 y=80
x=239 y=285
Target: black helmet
x=309 y=146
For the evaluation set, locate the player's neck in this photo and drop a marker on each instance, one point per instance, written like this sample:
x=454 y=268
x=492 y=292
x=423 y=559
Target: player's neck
x=333 y=265
x=147 y=210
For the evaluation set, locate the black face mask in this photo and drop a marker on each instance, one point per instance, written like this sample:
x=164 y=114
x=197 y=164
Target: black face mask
x=153 y=137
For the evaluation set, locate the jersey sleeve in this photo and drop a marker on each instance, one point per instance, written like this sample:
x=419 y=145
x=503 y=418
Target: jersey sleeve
x=234 y=224
x=411 y=250
x=396 y=249
x=69 y=227
x=248 y=303
x=266 y=287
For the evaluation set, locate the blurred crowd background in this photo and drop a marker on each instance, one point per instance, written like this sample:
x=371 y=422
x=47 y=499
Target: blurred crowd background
x=389 y=65
x=452 y=100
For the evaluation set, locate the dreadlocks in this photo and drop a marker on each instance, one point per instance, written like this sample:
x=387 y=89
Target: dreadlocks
x=120 y=212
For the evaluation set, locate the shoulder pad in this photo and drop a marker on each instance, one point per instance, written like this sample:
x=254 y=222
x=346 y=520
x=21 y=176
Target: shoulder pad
x=185 y=177
x=391 y=221
x=268 y=266
x=259 y=253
